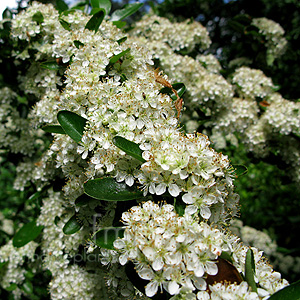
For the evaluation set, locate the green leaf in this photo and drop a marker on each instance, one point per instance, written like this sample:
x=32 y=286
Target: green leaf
x=7 y=14
x=72 y=226
x=129 y=9
x=50 y=65
x=270 y=59
x=105 y=4
x=105 y=237
x=29 y=274
x=61 y=5
x=291 y=292
x=225 y=255
x=11 y=288
x=27 y=287
x=56 y=220
x=83 y=200
x=129 y=147
x=109 y=189
x=179 y=206
x=250 y=270
x=26 y=234
x=119 y=24
x=72 y=124
x=2 y=264
x=78 y=44
x=116 y=57
x=179 y=87
x=123 y=39
x=65 y=24
x=96 y=20
x=38 y=17
x=240 y=170
x=53 y=129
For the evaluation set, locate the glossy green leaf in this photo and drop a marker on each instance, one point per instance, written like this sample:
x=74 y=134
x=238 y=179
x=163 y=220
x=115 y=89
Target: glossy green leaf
x=26 y=234
x=72 y=124
x=61 y=5
x=53 y=129
x=29 y=274
x=11 y=288
x=7 y=14
x=65 y=24
x=38 y=17
x=225 y=255
x=129 y=147
x=50 y=65
x=123 y=39
x=2 y=264
x=78 y=44
x=250 y=270
x=109 y=189
x=27 y=287
x=83 y=200
x=179 y=206
x=96 y=20
x=291 y=292
x=128 y=10
x=72 y=226
x=105 y=237
x=240 y=170
x=119 y=24
x=116 y=57
x=179 y=87
x=105 y=4
x=56 y=220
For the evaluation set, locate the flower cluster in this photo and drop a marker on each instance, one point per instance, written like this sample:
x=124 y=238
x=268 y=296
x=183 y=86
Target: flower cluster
x=134 y=109
x=204 y=84
x=13 y=269
x=251 y=83
x=180 y=36
x=274 y=35
x=15 y=131
x=178 y=254
x=172 y=252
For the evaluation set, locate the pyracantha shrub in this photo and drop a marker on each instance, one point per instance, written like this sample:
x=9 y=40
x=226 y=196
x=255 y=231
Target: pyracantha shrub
x=132 y=206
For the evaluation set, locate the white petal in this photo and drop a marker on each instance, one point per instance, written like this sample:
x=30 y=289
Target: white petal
x=146 y=273
x=174 y=190
x=205 y=212
x=199 y=270
x=173 y=288
x=158 y=264
x=151 y=288
x=200 y=284
x=129 y=180
x=203 y=295
x=160 y=189
x=262 y=292
x=190 y=209
x=188 y=199
x=211 y=268
x=119 y=244
x=123 y=259
x=149 y=252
